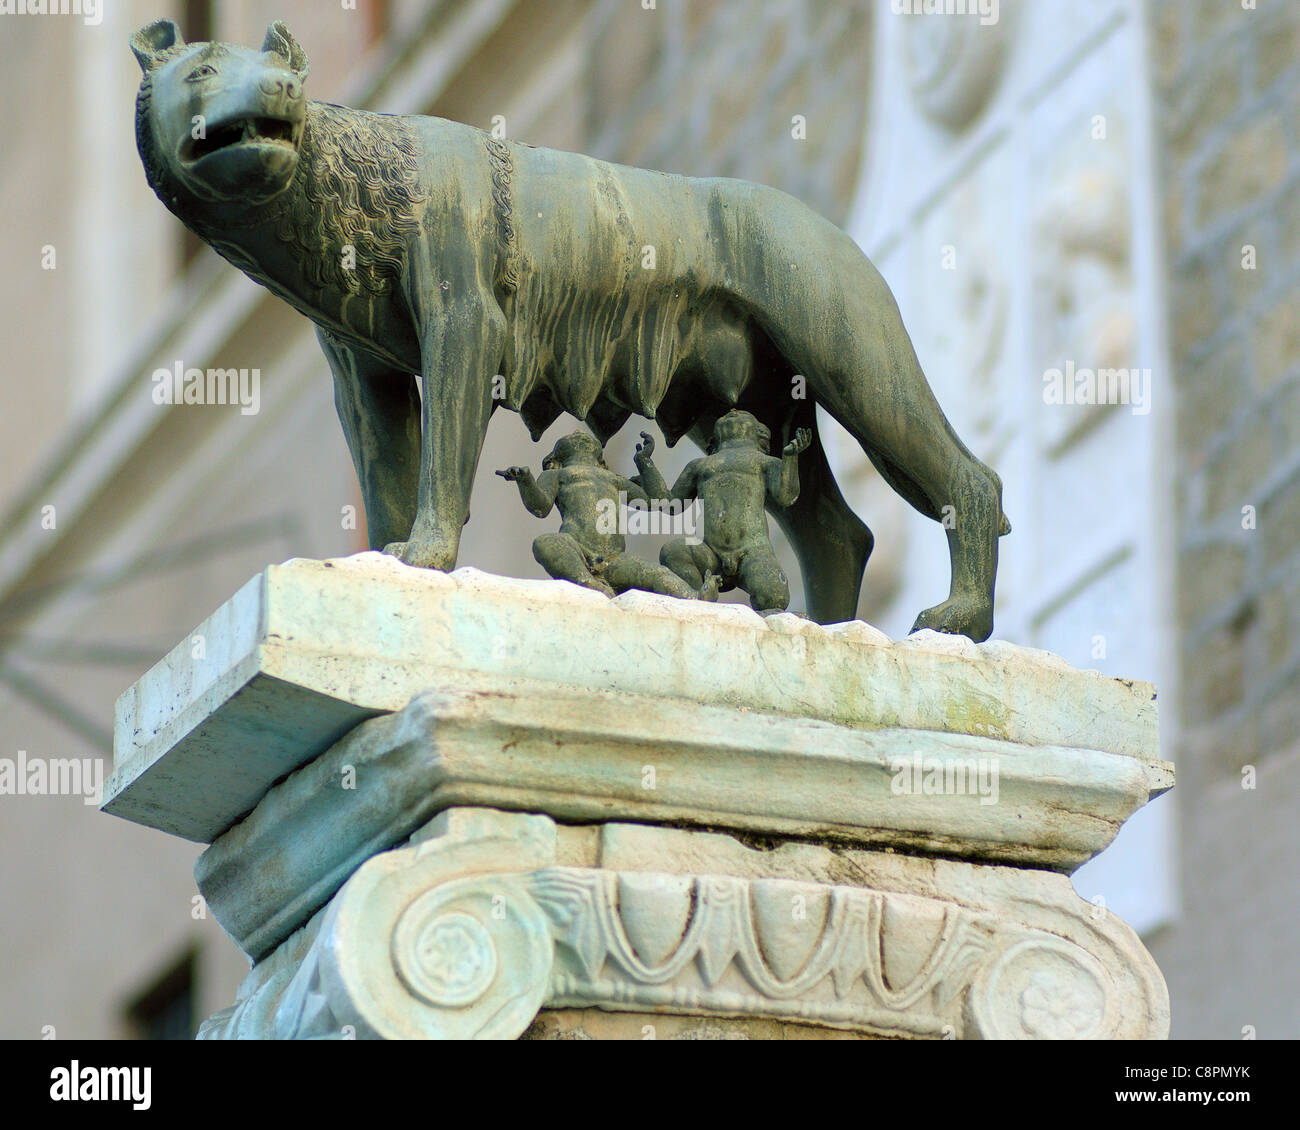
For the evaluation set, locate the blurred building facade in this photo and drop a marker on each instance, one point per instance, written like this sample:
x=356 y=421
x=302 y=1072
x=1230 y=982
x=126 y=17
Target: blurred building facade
x=1051 y=186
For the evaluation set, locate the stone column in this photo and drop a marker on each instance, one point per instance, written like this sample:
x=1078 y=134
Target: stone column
x=463 y=806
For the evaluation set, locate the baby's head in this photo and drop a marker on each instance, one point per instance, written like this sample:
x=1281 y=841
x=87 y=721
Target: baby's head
x=738 y=424
x=581 y=448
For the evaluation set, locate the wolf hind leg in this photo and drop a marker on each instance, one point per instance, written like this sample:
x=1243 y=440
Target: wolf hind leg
x=830 y=542
x=972 y=521
x=904 y=432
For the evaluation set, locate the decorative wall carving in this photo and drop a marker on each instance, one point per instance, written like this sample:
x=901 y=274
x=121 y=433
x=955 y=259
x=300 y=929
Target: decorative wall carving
x=953 y=64
x=1083 y=272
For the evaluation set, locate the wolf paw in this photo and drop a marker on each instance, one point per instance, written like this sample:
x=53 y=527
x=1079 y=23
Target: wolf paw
x=959 y=617
x=424 y=553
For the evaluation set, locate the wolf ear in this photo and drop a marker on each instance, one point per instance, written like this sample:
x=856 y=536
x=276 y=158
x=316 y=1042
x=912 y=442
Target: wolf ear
x=281 y=42
x=152 y=40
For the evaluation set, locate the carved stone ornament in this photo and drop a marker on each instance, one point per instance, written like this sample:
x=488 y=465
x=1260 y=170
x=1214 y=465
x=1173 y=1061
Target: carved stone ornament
x=954 y=61
x=477 y=926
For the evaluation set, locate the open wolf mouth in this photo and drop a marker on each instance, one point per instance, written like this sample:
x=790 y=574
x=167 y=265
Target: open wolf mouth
x=241 y=131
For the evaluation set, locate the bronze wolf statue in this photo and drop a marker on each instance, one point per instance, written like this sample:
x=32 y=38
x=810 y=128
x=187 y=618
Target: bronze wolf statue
x=552 y=282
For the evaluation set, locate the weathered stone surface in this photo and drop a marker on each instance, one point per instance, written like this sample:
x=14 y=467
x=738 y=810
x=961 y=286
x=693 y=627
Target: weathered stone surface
x=595 y=1024
x=579 y=754
x=487 y=917
x=308 y=650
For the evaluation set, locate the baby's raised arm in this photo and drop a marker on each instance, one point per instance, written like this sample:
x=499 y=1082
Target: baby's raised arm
x=538 y=495
x=782 y=475
x=649 y=479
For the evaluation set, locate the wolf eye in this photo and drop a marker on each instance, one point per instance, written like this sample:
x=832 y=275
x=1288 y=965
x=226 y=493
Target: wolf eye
x=200 y=73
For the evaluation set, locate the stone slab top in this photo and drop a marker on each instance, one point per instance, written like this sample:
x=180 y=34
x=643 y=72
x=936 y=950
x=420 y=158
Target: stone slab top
x=307 y=650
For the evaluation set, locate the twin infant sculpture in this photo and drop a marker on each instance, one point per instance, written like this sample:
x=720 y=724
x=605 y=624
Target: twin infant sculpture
x=734 y=484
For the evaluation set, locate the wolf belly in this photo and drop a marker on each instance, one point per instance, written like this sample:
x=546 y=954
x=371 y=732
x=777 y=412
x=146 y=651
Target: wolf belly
x=604 y=358
x=625 y=300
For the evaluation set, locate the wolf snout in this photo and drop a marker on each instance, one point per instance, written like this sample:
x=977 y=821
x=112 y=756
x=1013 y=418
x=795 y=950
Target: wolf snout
x=274 y=85
x=283 y=92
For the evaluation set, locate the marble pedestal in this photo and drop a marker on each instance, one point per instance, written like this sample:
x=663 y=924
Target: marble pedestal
x=463 y=806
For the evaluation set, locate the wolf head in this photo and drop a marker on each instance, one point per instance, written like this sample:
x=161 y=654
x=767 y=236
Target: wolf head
x=224 y=123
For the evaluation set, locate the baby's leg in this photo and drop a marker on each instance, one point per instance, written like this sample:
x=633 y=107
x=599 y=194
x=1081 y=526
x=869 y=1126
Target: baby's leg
x=628 y=572
x=562 y=557
x=763 y=578
x=690 y=562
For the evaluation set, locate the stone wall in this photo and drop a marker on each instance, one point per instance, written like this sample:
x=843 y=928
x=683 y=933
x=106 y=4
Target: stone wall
x=774 y=92
x=1226 y=78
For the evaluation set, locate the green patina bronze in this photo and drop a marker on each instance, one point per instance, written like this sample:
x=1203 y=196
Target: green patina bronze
x=423 y=246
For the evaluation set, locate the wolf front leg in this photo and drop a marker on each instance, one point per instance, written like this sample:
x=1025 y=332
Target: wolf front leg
x=461 y=347
x=379 y=408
